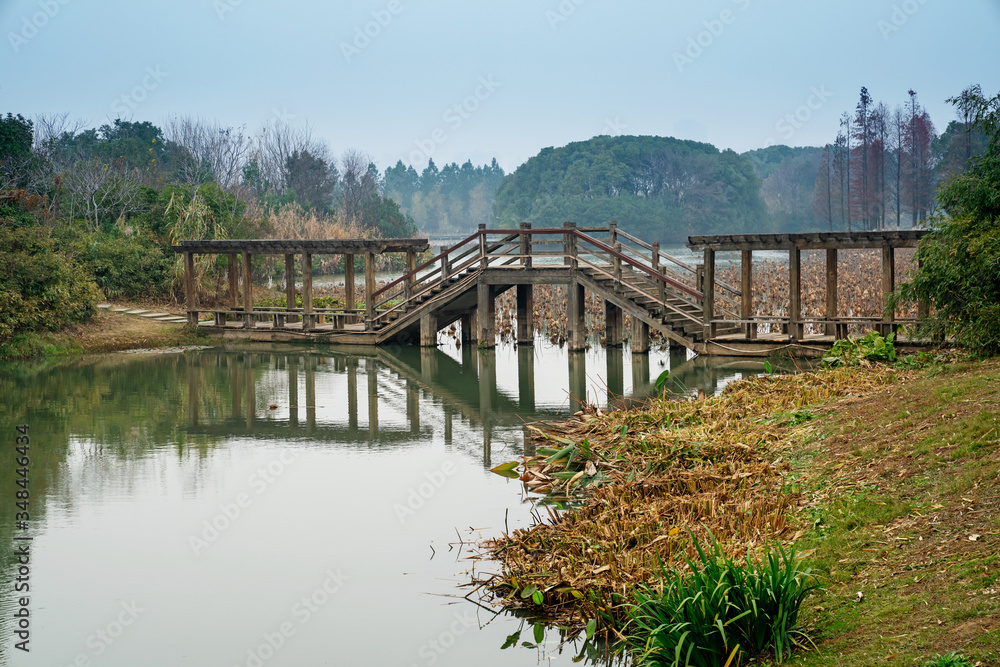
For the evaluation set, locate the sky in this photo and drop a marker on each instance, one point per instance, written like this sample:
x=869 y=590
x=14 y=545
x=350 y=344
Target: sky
x=452 y=81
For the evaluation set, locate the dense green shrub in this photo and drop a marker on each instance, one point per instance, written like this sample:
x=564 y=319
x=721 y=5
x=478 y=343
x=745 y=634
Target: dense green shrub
x=41 y=287
x=720 y=610
x=959 y=274
x=129 y=267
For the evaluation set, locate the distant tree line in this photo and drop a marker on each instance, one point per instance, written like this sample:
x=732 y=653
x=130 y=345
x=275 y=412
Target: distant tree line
x=883 y=169
x=452 y=199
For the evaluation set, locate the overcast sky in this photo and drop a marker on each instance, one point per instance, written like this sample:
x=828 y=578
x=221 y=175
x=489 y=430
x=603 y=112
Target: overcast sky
x=408 y=79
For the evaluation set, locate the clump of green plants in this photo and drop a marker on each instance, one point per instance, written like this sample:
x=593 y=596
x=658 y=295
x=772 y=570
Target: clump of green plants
x=950 y=659
x=852 y=351
x=721 y=612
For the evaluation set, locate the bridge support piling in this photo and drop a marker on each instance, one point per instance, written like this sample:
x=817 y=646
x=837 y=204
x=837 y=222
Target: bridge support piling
x=307 y=292
x=526 y=377
x=233 y=274
x=369 y=290
x=613 y=326
x=467 y=324
x=708 y=290
x=616 y=375
x=190 y=291
x=486 y=316
x=640 y=373
x=429 y=330
x=577 y=380
x=289 y=285
x=640 y=337
x=525 y=315
x=575 y=316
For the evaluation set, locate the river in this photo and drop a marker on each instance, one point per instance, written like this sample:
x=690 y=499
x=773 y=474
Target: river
x=283 y=506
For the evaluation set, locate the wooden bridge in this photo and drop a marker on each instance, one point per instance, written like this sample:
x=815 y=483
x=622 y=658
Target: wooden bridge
x=688 y=305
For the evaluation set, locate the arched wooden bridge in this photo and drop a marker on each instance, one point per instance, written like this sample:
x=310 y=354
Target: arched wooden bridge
x=687 y=304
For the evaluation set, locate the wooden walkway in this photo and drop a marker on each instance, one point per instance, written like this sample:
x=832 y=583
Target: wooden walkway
x=687 y=304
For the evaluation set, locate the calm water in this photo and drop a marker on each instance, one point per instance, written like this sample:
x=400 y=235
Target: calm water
x=282 y=505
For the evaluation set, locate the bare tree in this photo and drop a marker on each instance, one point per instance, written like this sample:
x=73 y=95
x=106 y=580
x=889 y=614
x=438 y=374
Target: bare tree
x=276 y=143
x=103 y=190
x=357 y=185
x=213 y=151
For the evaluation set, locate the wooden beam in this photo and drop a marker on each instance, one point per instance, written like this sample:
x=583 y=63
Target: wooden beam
x=247 y=290
x=525 y=315
x=831 y=290
x=308 y=322
x=350 y=299
x=746 y=292
x=796 y=328
x=190 y=292
x=708 y=290
x=369 y=289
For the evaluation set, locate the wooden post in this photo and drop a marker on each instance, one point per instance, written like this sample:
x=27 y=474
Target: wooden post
x=428 y=330
x=289 y=285
x=369 y=290
x=445 y=264
x=308 y=322
x=576 y=312
x=411 y=265
x=569 y=242
x=525 y=315
x=796 y=329
x=526 y=244
x=613 y=326
x=831 y=291
x=486 y=316
x=483 y=261
x=234 y=281
x=190 y=293
x=350 y=299
x=888 y=285
x=746 y=293
x=577 y=380
x=640 y=337
x=247 y=290
x=661 y=287
x=708 y=291
x=923 y=308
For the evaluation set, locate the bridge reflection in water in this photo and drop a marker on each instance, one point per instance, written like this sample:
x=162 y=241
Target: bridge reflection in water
x=380 y=397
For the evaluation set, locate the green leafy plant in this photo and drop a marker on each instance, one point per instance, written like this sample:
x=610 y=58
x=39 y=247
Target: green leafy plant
x=852 y=351
x=951 y=659
x=661 y=382
x=720 y=610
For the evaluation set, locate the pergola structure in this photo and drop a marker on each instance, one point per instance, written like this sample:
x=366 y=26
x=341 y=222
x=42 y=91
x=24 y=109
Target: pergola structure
x=241 y=252
x=834 y=324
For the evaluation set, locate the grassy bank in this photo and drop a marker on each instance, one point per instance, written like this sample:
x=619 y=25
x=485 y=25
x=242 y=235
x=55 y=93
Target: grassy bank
x=105 y=332
x=886 y=479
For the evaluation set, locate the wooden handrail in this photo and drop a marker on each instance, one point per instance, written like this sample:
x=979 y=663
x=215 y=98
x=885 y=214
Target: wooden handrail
x=423 y=266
